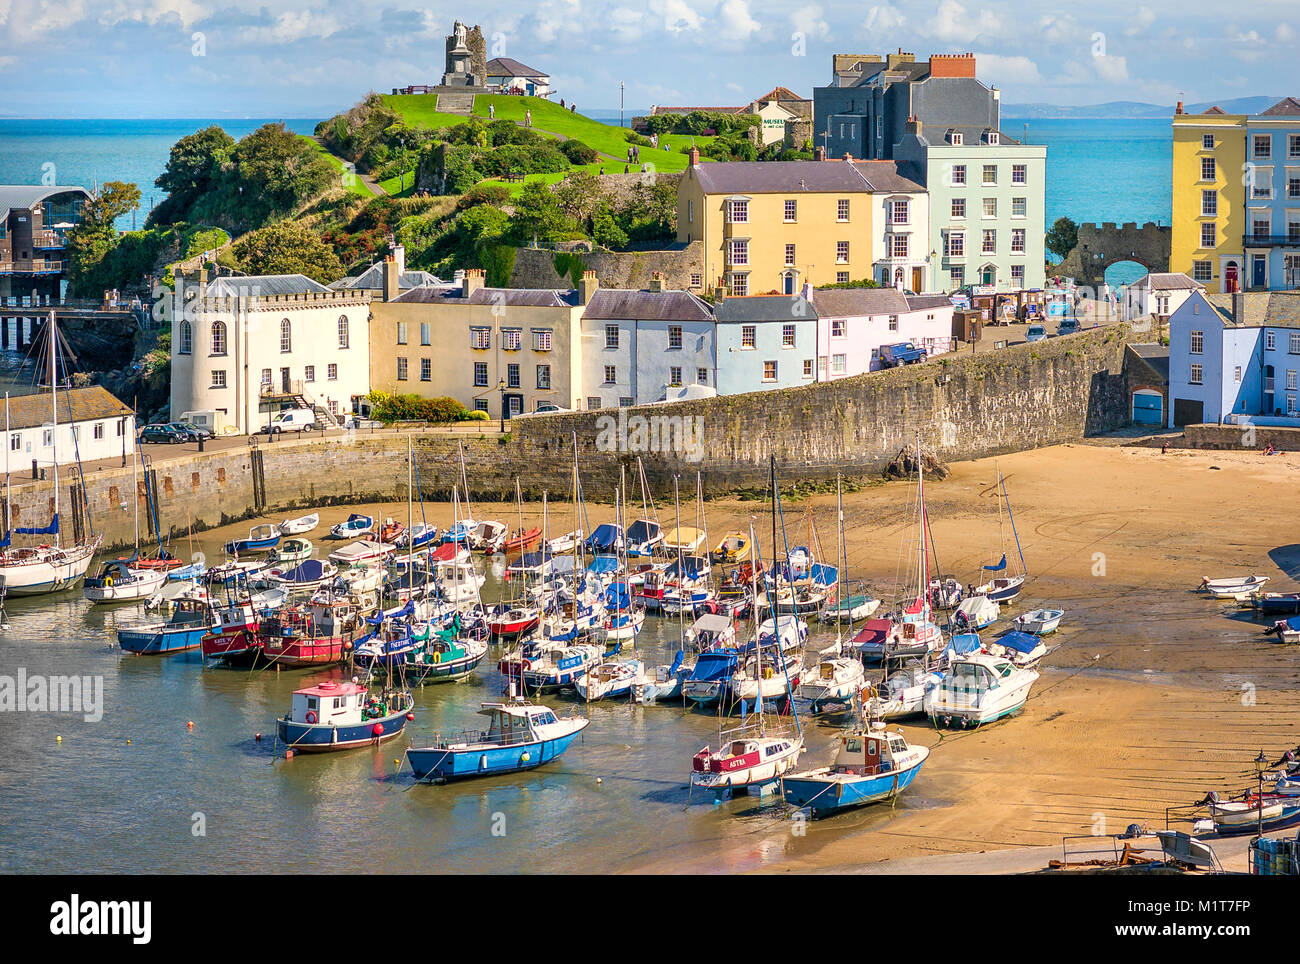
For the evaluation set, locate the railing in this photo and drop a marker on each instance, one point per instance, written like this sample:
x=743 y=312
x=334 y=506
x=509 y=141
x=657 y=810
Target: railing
x=1271 y=240
x=47 y=239
x=32 y=266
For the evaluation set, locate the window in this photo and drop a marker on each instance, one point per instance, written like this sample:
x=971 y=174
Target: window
x=990 y=207
x=1261 y=227
x=512 y=376
x=787 y=336
x=541 y=339
x=611 y=336
x=955 y=244
x=266 y=376
x=1019 y=207
x=626 y=401
x=1207 y=142
x=739 y=252
x=690 y=211
x=1293 y=146
x=1017 y=240
x=480 y=374
x=958 y=275
x=1290 y=380
x=480 y=338
x=218 y=378
x=956 y=138
x=544 y=377
x=593 y=402
x=747 y=335
x=841 y=252
x=841 y=277
x=898 y=245
x=1202 y=271
x=1209 y=204
x=807 y=368
x=739 y=284
x=738 y=212
x=186 y=340
x=98 y=431
x=791 y=210
x=696 y=279
x=343 y=331
x=989 y=242
x=769 y=371
x=842 y=209
x=893 y=322
x=1019 y=174
x=1195 y=378
x=218 y=338
x=309 y=373
x=424 y=333
x=674 y=376
x=401 y=368
x=401 y=333
x=839 y=364
x=16 y=440
x=702 y=376
x=898 y=212
x=1017 y=276
x=1261 y=147
x=995 y=137
x=839 y=328
x=958 y=174
x=332 y=372
x=611 y=374
x=789 y=254
x=674 y=336
x=1270 y=340
x=990 y=174
x=1207 y=235
x=512 y=339
x=1293 y=343
x=1261 y=182
x=286 y=336
x=959 y=207
x=426 y=369
x=1207 y=169
x=47 y=437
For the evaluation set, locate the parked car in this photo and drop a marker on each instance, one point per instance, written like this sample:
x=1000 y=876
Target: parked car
x=192 y=432
x=1068 y=326
x=550 y=407
x=1036 y=333
x=158 y=432
x=290 y=420
x=904 y=353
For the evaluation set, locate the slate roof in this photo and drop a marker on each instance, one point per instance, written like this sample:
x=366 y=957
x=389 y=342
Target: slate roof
x=1167 y=281
x=509 y=67
x=510 y=297
x=766 y=177
x=75 y=405
x=925 y=302
x=780 y=93
x=263 y=285
x=846 y=302
x=764 y=308
x=1260 y=308
x=372 y=279
x=1156 y=357
x=633 y=305
x=1286 y=107
x=24 y=197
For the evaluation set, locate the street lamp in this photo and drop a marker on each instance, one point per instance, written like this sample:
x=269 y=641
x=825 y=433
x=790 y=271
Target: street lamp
x=620 y=103
x=1261 y=764
x=501 y=387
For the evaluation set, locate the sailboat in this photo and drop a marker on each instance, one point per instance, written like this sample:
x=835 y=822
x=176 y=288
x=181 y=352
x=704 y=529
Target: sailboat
x=118 y=580
x=33 y=570
x=1005 y=583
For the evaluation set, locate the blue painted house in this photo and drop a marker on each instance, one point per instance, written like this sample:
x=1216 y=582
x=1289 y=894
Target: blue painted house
x=765 y=342
x=1272 y=241
x=1235 y=355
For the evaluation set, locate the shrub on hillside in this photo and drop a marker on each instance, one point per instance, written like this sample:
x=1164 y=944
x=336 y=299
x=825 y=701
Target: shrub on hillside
x=578 y=153
x=494 y=194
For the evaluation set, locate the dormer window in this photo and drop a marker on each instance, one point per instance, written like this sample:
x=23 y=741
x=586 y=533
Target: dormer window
x=992 y=137
x=954 y=137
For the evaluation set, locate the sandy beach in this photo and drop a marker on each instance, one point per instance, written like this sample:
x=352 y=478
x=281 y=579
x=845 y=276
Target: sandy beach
x=1154 y=696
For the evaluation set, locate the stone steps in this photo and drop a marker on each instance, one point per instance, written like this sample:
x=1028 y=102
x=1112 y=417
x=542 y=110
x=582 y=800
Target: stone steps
x=455 y=103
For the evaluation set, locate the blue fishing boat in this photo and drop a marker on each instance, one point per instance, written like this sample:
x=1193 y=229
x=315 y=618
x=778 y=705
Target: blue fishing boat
x=342 y=716
x=460 y=533
x=261 y=538
x=355 y=525
x=709 y=677
x=871 y=765
x=520 y=736
x=190 y=620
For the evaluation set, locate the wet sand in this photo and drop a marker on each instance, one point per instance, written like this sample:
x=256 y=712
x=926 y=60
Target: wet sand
x=1154 y=696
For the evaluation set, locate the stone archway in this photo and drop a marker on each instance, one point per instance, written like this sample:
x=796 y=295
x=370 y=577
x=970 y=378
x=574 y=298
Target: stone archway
x=1102 y=245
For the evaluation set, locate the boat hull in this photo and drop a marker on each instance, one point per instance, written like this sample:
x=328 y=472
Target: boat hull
x=444 y=764
x=827 y=793
x=160 y=642
x=322 y=738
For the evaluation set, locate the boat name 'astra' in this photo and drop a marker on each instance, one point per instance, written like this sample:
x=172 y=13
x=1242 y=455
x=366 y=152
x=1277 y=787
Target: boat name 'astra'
x=669 y=434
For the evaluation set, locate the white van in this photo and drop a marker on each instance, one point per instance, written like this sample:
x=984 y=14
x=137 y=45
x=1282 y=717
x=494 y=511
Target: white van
x=213 y=421
x=291 y=420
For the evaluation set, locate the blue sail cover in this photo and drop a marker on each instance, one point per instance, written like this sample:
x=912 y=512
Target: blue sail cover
x=604 y=537
x=49 y=530
x=963 y=643
x=823 y=575
x=1020 y=642
x=617 y=596
x=999 y=567
x=602 y=565
x=309 y=570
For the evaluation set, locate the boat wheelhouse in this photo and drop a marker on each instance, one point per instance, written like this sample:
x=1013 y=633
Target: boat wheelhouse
x=184 y=629
x=118 y=582
x=342 y=716
x=979 y=688
x=520 y=736
x=871 y=765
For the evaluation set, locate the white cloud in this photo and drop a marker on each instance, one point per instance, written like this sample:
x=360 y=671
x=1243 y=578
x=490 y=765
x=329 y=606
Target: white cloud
x=735 y=20
x=626 y=24
x=999 y=70
x=884 y=17
x=1111 y=70
x=156 y=12
x=1059 y=29
x=291 y=26
x=28 y=20
x=1144 y=18
x=679 y=16
x=810 y=21
x=1284 y=33
x=952 y=24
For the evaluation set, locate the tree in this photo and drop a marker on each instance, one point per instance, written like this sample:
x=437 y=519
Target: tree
x=1062 y=237
x=279 y=169
x=94 y=238
x=538 y=215
x=193 y=168
x=287 y=247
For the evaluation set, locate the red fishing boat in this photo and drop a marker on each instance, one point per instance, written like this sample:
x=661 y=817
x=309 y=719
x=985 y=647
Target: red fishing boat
x=316 y=634
x=391 y=531
x=522 y=541
x=234 y=638
x=512 y=620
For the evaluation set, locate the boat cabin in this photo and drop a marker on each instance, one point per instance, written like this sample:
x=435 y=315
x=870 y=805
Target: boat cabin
x=712 y=631
x=871 y=752
x=336 y=704
x=738 y=755
x=516 y=722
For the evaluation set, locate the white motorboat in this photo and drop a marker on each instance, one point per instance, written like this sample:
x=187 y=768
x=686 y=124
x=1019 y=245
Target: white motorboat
x=1236 y=587
x=1040 y=622
x=488 y=536
x=359 y=579
x=1023 y=649
x=850 y=608
x=976 y=612
x=363 y=550
x=300 y=526
x=565 y=543
x=290 y=551
x=833 y=680
x=118 y=582
x=979 y=688
x=903 y=692
x=609 y=679
x=711 y=631
x=749 y=755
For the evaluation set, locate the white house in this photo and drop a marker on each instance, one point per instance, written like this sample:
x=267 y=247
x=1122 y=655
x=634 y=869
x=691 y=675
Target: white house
x=1158 y=294
x=853 y=324
x=245 y=347
x=92 y=425
x=900 y=247
x=507 y=74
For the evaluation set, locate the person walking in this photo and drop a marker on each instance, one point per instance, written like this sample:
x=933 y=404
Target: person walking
x=492 y=111
x=528 y=117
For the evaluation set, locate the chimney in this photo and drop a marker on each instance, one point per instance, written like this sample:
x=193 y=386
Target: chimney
x=913 y=125
x=819 y=153
x=694 y=155
x=1239 y=307
x=399 y=255
x=718 y=294
x=1179 y=108
x=657 y=281
x=392 y=279
x=473 y=281
x=587 y=287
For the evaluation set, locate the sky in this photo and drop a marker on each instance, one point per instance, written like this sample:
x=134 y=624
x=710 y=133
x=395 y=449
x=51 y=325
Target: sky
x=215 y=58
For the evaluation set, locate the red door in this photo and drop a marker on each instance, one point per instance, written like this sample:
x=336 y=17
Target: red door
x=1230 y=282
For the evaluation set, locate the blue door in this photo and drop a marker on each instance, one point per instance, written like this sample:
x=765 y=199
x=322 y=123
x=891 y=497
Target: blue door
x=1258 y=264
x=1148 y=409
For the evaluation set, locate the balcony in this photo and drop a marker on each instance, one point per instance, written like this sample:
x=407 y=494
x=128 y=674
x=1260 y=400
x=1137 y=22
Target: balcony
x=1271 y=240
x=47 y=241
x=33 y=266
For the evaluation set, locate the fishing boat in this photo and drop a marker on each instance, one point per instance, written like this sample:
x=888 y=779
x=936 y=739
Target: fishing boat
x=871 y=765
x=521 y=541
x=308 y=576
x=445 y=658
x=300 y=526
x=361 y=551
x=290 y=551
x=261 y=538
x=1040 y=622
x=835 y=679
x=979 y=688
x=1286 y=630
x=520 y=736
x=609 y=680
x=660 y=683
x=460 y=533
x=733 y=548
x=902 y=692
x=392 y=639
x=975 y=613
x=1005 y=578
x=117 y=582
x=321 y=632
x=565 y=543
x=748 y=755
x=184 y=629
x=233 y=637
x=342 y=716
x=355 y=525
x=1235 y=587
x=417 y=536
x=605 y=538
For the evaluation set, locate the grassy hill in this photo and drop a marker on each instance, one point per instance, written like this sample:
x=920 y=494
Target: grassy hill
x=356 y=187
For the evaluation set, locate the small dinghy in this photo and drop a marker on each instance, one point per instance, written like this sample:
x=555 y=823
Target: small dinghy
x=391 y=531
x=1275 y=602
x=1286 y=630
x=1243 y=816
x=565 y=543
x=342 y=716
x=871 y=765
x=520 y=736
x=609 y=680
x=261 y=538
x=290 y=551
x=1040 y=622
x=1231 y=588
x=418 y=536
x=300 y=526
x=355 y=525
x=833 y=680
x=734 y=547
x=521 y=541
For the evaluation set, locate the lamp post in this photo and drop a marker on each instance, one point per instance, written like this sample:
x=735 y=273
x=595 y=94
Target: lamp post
x=1261 y=764
x=501 y=387
x=620 y=103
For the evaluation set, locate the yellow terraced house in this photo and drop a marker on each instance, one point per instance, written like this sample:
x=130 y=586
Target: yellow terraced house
x=774 y=227
x=1209 y=213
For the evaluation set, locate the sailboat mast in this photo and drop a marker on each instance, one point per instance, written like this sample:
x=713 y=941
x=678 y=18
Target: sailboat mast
x=7 y=444
x=840 y=551
x=920 y=495
x=51 y=333
x=410 y=518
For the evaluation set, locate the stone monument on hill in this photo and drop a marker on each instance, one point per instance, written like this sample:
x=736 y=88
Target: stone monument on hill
x=466 y=58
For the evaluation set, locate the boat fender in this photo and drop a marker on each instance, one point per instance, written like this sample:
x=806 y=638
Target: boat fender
x=311 y=716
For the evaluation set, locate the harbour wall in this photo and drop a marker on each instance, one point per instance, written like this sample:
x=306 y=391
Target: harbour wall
x=964 y=407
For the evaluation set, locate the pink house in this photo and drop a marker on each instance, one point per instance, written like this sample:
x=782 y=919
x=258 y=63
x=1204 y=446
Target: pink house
x=853 y=324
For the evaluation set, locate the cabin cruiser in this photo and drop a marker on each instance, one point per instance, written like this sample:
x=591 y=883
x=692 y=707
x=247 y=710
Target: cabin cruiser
x=979 y=688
